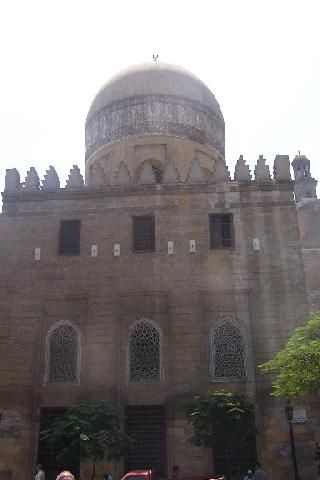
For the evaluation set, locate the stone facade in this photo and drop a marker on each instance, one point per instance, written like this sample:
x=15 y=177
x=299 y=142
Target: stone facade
x=185 y=290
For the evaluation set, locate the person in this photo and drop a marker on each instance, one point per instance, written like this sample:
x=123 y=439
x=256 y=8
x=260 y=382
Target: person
x=40 y=475
x=107 y=476
x=259 y=474
x=248 y=475
x=65 y=475
x=175 y=472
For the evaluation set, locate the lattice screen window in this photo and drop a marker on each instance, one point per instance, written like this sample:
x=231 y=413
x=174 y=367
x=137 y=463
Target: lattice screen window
x=144 y=353
x=63 y=354
x=227 y=351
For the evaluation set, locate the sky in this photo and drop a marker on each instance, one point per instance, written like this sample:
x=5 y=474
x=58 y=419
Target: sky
x=260 y=58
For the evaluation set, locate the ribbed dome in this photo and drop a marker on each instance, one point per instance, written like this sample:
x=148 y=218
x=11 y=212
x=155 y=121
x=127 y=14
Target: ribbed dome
x=154 y=98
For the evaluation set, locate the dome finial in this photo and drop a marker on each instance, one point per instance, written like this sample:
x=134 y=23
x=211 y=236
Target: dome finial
x=155 y=57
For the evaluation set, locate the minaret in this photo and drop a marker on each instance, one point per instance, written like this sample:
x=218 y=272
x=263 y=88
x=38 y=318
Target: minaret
x=304 y=185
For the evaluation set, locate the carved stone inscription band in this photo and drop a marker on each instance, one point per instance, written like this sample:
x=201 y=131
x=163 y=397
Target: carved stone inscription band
x=159 y=114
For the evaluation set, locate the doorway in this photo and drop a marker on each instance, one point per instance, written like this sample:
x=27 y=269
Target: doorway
x=146 y=426
x=235 y=460
x=48 y=454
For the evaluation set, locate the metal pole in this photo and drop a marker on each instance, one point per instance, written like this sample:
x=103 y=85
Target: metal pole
x=293 y=451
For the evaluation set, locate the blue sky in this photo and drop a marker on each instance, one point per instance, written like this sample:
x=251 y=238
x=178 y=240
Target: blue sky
x=260 y=58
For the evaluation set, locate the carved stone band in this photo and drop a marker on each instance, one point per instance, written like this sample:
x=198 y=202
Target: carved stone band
x=157 y=114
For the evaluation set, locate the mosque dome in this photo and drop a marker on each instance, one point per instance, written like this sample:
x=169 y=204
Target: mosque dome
x=154 y=99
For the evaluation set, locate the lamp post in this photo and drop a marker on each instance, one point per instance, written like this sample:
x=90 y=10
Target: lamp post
x=289 y=414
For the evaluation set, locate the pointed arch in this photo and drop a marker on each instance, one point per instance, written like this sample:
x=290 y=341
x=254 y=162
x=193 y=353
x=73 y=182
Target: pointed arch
x=144 y=352
x=228 y=351
x=63 y=353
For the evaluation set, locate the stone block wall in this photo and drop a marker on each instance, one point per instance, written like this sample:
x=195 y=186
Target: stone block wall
x=260 y=282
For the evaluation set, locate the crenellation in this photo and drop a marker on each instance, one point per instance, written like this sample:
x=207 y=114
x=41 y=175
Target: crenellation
x=262 y=171
x=195 y=174
x=32 y=182
x=242 y=171
x=170 y=174
x=281 y=168
x=147 y=175
x=122 y=175
x=51 y=180
x=12 y=180
x=75 y=179
x=97 y=178
x=221 y=172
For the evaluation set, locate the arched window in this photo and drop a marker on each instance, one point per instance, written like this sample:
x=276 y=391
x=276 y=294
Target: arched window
x=63 y=354
x=144 y=352
x=227 y=351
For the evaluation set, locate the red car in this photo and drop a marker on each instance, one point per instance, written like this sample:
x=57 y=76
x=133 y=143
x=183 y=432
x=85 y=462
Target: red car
x=148 y=475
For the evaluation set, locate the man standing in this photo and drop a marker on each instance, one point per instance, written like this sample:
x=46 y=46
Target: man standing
x=259 y=474
x=40 y=473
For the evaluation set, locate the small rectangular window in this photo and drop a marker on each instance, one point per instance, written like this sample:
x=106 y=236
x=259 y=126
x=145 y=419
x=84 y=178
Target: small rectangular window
x=143 y=234
x=69 y=239
x=221 y=231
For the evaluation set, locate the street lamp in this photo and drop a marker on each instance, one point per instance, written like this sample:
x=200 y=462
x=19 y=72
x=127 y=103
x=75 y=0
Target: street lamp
x=289 y=414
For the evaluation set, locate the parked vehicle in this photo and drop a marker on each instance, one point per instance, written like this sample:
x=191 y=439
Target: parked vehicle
x=148 y=475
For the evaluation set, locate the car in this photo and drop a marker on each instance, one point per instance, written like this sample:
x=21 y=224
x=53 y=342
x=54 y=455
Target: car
x=148 y=475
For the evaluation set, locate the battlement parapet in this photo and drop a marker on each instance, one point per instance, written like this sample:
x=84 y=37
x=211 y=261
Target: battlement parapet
x=122 y=177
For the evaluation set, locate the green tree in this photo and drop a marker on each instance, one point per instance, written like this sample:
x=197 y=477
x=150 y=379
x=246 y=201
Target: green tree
x=297 y=365
x=88 y=431
x=220 y=417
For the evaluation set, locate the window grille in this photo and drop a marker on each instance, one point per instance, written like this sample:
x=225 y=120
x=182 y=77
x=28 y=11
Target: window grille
x=227 y=351
x=221 y=231
x=144 y=353
x=146 y=426
x=143 y=233
x=63 y=354
x=69 y=239
x=48 y=454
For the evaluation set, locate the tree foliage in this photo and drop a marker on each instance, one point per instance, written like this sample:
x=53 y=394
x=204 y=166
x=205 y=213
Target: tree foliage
x=220 y=417
x=89 y=430
x=297 y=365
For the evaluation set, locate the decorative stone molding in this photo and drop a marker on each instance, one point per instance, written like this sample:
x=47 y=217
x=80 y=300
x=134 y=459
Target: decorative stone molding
x=75 y=179
x=51 y=180
x=97 y=177
x=170 y=174
x=122 y=175
x=281 y=168
x=262 y=171
x=150 y=174
x=157 y=114
x=242 y=171
x=12 y=180
x=221 y=172
x=195 y=174
x=147 y=174
x=32 y=182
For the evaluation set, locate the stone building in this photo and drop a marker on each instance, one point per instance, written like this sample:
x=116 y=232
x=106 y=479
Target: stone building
x=156 y=278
